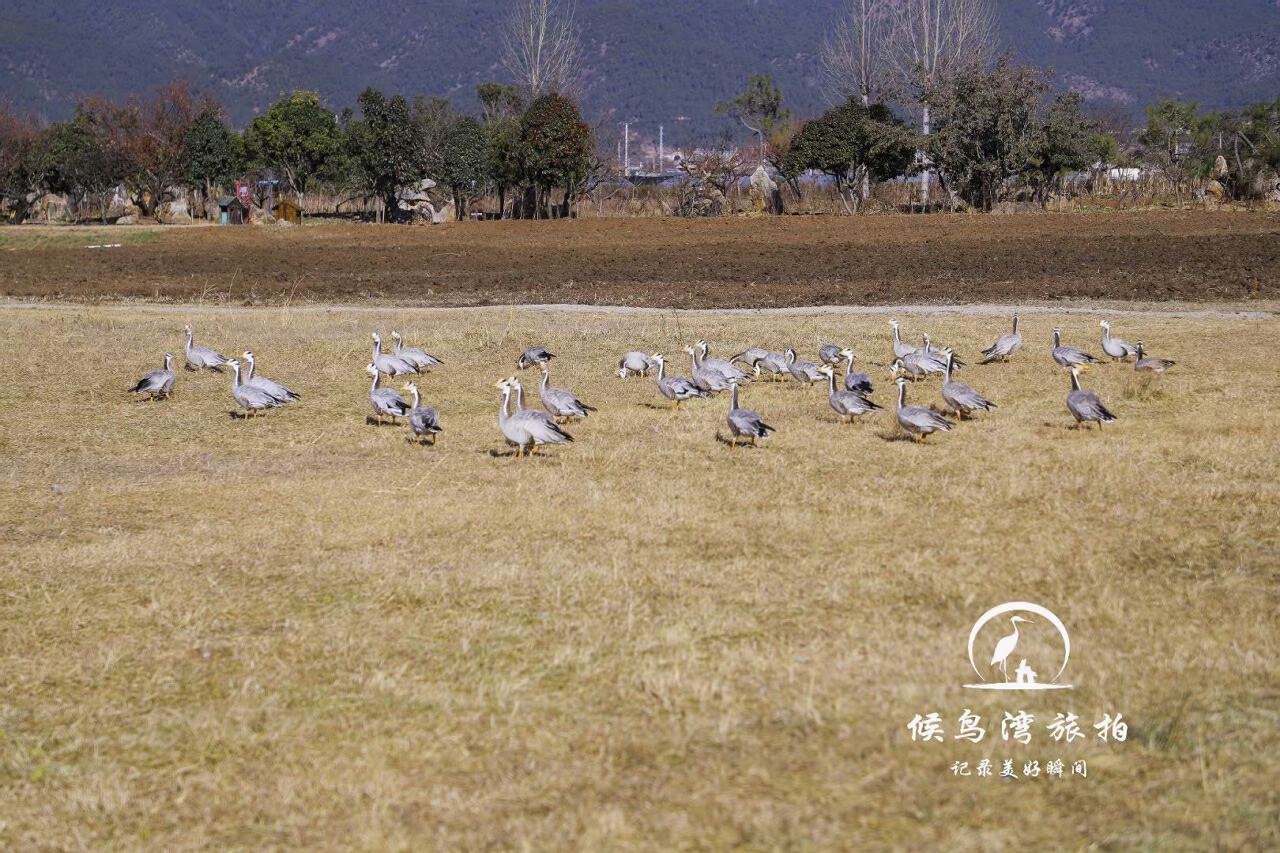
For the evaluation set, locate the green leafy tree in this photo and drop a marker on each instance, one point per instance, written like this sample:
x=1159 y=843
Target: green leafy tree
x=464 y=164
x=295 y=137
x=1170 y=142
x=503 y=152
x=391 y=154
x=758 y=107
x=988 y=129
x=499 y=101
x=501 y=107
x=434 y=118
x=1068 y=142
x=851 y=142
x=82 y=167
x=556 y=148
x=1248 y=141
x=344 y=170
x=214 y=154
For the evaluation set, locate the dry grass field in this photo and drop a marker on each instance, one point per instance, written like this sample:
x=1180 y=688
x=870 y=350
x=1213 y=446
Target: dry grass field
x=303 y=632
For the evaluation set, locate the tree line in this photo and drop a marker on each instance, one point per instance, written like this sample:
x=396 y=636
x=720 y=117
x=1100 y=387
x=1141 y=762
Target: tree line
x=989 y=128
x=534 y=150
x=916 y=88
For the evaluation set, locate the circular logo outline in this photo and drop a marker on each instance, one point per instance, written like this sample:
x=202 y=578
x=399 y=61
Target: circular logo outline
x=1012 y=606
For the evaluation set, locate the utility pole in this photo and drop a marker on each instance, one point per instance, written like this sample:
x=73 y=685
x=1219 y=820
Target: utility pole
x=660 y=140
x=626 y=149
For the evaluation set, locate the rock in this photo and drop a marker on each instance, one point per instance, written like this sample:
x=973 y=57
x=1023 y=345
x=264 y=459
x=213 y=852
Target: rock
x=765 y=197
x=444 y=214
x=1220 y=167
x=415 y=194
x=128 y=219
x=173 y=211
x=1266 y=185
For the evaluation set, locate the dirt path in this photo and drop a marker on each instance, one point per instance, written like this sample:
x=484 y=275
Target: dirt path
x=1271 y=311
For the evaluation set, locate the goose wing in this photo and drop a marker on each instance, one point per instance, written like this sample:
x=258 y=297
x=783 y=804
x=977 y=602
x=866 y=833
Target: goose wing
x=849 y=403
x=152 y=382
x=251 y=397
x=1088 y=406
x=208 y=356
x=859 y=383
x=565 y=403
x=424 y=419
x=418 y=358
x=275 y=389
x=924 y=419
x=389 y=402
x=1006 y=346
x=962 y=396
x=540 y=428
x=747 y=422
x=752 y=356
x=1068 y=356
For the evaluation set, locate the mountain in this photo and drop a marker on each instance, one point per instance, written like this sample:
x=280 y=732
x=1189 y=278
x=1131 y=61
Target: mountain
x=662 y=61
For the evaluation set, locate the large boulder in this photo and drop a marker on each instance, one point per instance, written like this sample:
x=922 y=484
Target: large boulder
x=765 y=197
x=175 y=211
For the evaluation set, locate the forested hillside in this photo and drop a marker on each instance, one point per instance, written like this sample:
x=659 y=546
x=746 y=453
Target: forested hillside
x=658 y=62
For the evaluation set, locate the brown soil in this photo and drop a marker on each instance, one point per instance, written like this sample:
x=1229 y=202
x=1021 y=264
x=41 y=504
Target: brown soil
x=731 y=263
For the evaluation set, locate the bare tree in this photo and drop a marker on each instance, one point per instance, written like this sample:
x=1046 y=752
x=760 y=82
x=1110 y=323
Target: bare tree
x=855 y=54
x=930 y=39
x=540 y=47
x=855 y=57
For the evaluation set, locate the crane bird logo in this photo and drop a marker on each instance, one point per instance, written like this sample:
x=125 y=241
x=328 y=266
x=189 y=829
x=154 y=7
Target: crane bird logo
x=1004 y=659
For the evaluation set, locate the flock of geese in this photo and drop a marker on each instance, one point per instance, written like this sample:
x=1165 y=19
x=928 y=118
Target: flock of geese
x=528 y=429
